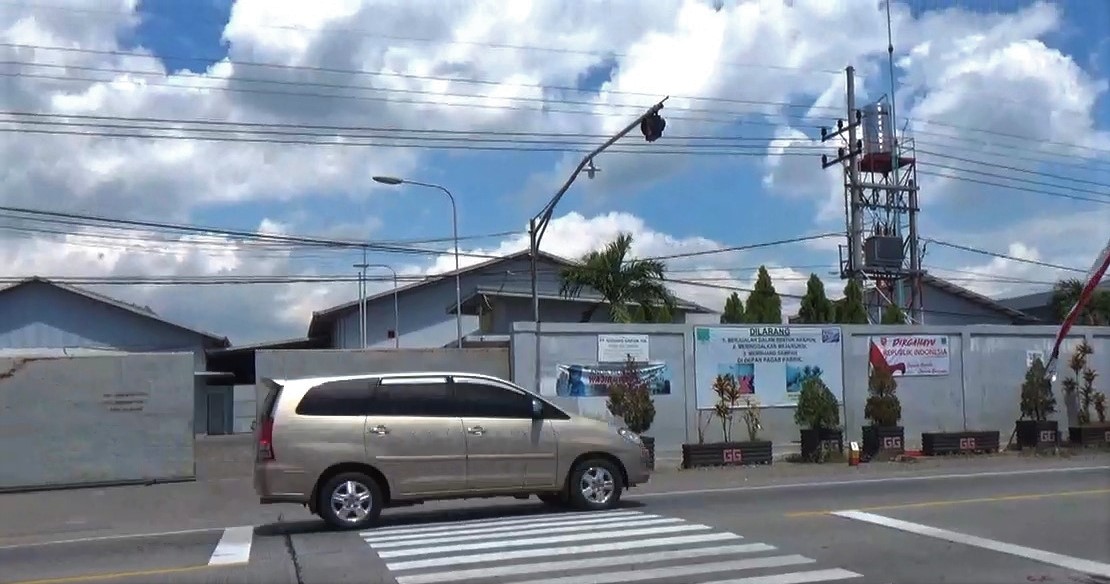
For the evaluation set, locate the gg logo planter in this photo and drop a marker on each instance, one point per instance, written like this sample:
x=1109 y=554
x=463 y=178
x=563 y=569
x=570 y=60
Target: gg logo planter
x=814 y=440
x=971 y=442
x=1095 y=435
x=726 y=454
x=883 y=440
x=1036 y=434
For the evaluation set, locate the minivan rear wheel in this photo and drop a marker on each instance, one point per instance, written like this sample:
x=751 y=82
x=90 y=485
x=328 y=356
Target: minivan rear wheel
x=350 y=500
x=595 y=484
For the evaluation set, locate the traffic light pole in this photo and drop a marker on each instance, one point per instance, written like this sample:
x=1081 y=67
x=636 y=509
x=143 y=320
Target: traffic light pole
x=538 y=224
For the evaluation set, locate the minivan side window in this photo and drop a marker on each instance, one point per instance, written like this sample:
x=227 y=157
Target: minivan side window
x=349 y=397
x=414 y=396
x=481 y=399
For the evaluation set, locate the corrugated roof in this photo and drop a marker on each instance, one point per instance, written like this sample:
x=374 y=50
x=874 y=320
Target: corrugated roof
x=143 y=311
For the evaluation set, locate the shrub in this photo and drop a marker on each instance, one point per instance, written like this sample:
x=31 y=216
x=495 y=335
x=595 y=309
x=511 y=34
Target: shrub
x=1037 y=401
x=728 y=394
x=817 y=406
x=1085 y=388
x=1100 y=407
x=630 y=398
x=883 y=407
x=751 y=420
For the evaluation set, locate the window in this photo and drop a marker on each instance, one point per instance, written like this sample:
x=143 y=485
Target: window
x=414 y=396
x=481 y=399
x=337 y=398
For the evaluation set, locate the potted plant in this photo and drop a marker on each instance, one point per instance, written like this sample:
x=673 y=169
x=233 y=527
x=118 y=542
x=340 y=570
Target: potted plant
x=1034 y=428
x=729 y=452
x=884 y=410
x=1080 y=388
x=818 y=415
x=630 y=400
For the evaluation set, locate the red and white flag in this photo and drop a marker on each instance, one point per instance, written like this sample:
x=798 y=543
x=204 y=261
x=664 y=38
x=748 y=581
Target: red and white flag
x=1094 y=276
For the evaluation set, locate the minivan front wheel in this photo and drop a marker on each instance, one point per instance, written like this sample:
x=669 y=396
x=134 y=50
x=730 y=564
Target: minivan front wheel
x=350 y=500
x=595 y=484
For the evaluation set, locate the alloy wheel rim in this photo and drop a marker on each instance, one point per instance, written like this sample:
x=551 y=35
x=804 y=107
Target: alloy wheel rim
x=351 y=501
x=597 y=485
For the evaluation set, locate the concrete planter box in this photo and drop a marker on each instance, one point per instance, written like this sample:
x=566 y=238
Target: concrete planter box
x=886 y=440
x=1090 y=435
x=813 y=440
x=971 y=442
x=1036 y=434
x=726 y=454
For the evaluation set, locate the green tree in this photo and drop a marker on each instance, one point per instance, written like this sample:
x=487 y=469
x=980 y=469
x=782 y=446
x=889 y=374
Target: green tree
x=850 y=309
x=816 y=306
x=621 y=281
x=893 y=314
x=1066 y=293
x=764 y=305
x=660 y=314
x=734 y=310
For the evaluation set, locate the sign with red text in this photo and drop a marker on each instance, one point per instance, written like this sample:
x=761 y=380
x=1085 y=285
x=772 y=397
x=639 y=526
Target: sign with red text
x=915 y=355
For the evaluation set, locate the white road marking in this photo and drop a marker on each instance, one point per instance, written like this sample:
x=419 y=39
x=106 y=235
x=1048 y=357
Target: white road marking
x=513 y=520
x=541 y=530
x=1045 y=557
x=234 y=547
x=602 y=562
x=581 y=564
x=674 y=571
x=111 y=537
x=808 y=485
x=794 y=577
x=543 y=552
x=505 y=525
x=525 y=542
x=629 y=547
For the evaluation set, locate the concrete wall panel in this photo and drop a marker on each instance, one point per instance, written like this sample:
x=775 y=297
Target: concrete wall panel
x=97 y=419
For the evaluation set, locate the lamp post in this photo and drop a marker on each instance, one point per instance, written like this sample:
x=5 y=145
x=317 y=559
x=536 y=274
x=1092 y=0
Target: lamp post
x=362 y=301
x=392 y=180
x=651 y=125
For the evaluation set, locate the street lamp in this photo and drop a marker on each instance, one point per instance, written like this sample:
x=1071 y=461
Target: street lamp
x=392 y=180
x=362 y=301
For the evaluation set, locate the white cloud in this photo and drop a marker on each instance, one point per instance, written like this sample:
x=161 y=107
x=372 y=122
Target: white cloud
x=710 y=278
x=982 y=71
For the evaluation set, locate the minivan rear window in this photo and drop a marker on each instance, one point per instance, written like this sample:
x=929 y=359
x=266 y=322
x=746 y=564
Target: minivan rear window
x=270 y=402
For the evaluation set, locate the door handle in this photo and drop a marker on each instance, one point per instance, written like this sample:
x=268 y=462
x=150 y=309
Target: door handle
x=476 y=430
x=379 y=430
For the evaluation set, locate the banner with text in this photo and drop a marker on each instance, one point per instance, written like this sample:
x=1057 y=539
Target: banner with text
x=913 y=355
x=594 y=379
x=770 y=363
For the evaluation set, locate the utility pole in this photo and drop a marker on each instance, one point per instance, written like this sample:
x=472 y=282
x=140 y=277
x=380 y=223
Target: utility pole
x=880 y=193
x=651 y=125
x=853 y=197
x=362 y=299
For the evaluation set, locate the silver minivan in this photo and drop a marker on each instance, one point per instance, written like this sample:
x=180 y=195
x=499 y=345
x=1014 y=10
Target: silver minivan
x=349 y=446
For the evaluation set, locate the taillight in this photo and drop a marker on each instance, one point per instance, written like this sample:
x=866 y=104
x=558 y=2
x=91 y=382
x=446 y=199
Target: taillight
x=266 y=440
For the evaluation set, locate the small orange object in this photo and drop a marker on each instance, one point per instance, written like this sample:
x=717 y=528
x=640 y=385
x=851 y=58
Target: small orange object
x=853 y=454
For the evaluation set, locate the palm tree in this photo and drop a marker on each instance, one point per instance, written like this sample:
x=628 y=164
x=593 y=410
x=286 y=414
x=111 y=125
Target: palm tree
x=1066 y=293
x=623 y=283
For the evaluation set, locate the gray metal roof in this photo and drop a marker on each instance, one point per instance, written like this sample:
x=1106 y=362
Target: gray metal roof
x=143 y=311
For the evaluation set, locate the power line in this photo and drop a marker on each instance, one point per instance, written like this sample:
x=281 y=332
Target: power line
x=508 y=146
x=998 y=255
x=439 y=95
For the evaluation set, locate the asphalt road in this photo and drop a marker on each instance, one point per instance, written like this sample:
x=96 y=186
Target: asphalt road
x=1031 y=522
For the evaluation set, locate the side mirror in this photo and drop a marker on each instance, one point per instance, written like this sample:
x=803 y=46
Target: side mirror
x=537 y=409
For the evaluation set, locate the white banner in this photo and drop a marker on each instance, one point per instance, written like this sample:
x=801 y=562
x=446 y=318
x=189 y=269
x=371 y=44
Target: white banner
x=617 y=348
x=769 y=362
x=915 y=355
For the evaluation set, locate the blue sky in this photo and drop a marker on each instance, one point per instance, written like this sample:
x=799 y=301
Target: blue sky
x=982 y=68
x=719 y=198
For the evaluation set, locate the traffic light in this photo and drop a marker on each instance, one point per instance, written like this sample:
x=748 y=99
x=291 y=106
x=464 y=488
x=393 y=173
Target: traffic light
x=652 y=127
